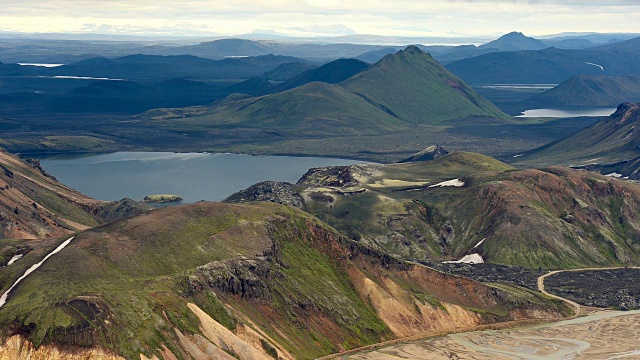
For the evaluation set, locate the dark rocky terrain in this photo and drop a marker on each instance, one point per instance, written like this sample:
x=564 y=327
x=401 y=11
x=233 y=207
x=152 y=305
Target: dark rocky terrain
x=618 y=289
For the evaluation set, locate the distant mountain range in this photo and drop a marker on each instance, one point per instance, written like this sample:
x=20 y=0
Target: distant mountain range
x=550 y=65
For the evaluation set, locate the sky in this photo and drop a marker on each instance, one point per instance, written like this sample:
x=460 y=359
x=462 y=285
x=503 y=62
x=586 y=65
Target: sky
x=320 y=17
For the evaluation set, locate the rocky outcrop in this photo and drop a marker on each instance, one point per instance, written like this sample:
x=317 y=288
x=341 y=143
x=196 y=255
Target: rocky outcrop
x=245 y=277
x=428 y=154
x=271 y=191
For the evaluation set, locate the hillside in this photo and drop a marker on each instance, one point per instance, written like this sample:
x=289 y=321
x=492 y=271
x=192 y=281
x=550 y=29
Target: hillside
x=411 y=86
x=590 y=91
x=286 y=71
x=250 y=281
x=515 y=41
x=401 y=90
x=611 y=140
x=463 y=204
x=332 y=73
x=35 y=205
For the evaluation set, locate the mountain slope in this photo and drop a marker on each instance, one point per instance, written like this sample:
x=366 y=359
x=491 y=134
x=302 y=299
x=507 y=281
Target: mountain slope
x=613 y=139
x=34 y=205
x=584 y=90
x=412 y=86
x=315 y=108
x=243 y=281
x=286 y=71
x=463 y=204
x=331 y=73
x=515 y=41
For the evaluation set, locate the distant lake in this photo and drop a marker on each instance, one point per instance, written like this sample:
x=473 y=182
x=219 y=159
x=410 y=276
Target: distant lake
x=193 y=176
x=567 y=113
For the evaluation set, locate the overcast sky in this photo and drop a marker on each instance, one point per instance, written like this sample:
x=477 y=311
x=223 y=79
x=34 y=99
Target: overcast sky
x=380 y=17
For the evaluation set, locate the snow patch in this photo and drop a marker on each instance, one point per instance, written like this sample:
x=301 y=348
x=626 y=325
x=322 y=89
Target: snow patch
x=614 y=175
x=453 y=182
x=468 y=259
x=3 y=298
x=519 y=155
x=600 y=66
x=14 y=259
x=480 y=243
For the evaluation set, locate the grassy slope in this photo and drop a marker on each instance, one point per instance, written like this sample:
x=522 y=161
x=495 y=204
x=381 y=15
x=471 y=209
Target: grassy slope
x=125 y=286
x=551 y=218
x=414 y=87
x=591 y=90
x=315 y=108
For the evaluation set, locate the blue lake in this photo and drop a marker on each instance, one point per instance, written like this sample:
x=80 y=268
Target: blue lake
x=193 y=176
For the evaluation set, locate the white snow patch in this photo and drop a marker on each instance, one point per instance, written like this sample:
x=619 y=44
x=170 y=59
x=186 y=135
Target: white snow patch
x=14 y=259
x=3 y=298
x=517 y=156
x=480 y=243
x=614 y=175
x=468 y=259
x=453 y=182
x=600 y=66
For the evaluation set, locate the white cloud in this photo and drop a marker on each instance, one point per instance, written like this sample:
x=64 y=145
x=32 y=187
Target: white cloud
x=381 y=17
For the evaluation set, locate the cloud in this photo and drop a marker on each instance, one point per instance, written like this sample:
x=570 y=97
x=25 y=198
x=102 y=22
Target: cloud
x=382 y=17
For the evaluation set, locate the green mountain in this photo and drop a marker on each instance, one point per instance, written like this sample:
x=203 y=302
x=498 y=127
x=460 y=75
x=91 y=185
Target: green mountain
x=590 y=90
x=611 y=140
x=248 y=281
x=316 y=108
x=412 y=86
x=465 y=204
x=401 y=90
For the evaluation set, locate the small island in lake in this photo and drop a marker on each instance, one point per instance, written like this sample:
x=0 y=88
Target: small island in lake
x=162 y=199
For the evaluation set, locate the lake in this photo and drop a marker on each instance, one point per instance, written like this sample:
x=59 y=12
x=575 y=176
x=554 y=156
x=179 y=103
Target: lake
x=567 y=113
x=193 y=176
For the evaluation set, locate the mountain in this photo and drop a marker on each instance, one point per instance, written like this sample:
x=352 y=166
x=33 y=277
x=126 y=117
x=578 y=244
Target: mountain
x=287 y=71
x=611 y=140
x=332 y=73
x=412 y=86
x=34 y=205
x=469 y=205
x=571 y=43
x=550 y=65
x=245 y=281
x=515 y=41
x=402 y=89
x=590 y=90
